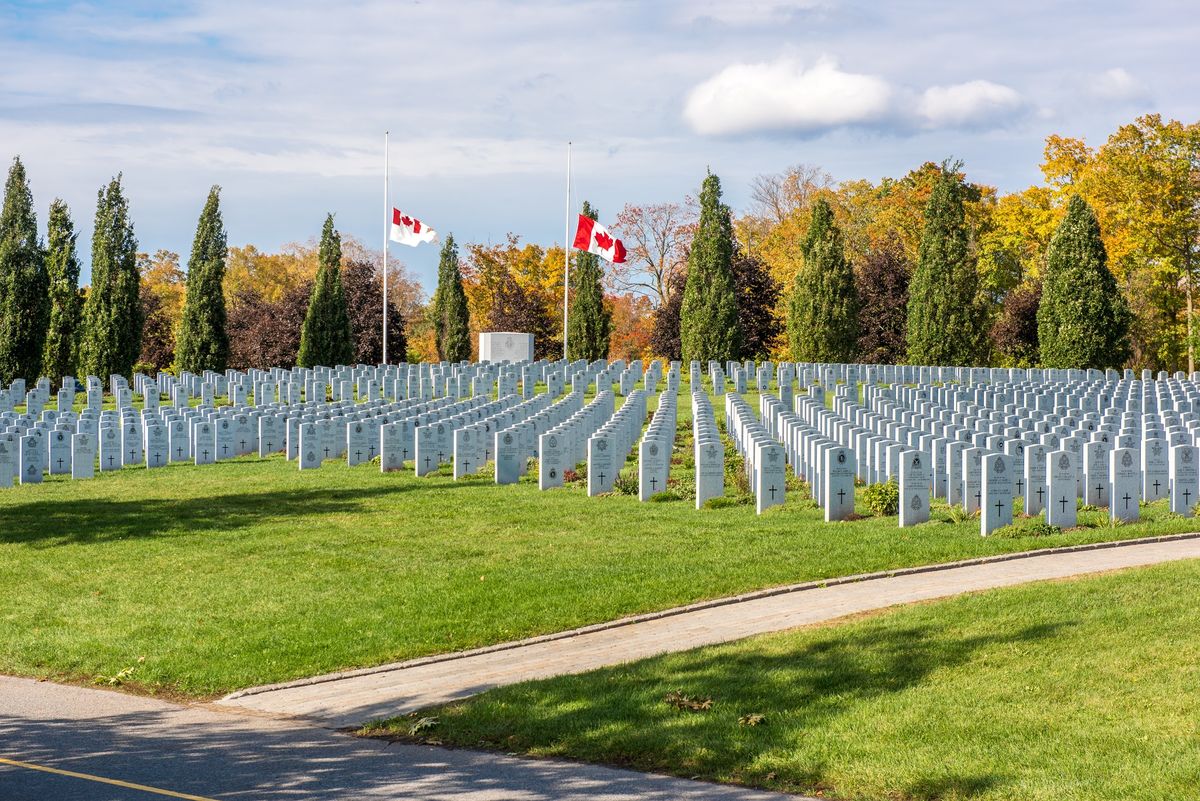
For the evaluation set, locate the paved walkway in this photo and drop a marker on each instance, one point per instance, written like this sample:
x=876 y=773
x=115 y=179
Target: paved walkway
x=350 y=699
x=84 y=744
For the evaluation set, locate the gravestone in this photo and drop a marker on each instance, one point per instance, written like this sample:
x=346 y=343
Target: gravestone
x=550 y=460
x=653 y=465
x=1062 y=472
x=509 y=457
x=1125 y=478
x=770 y=463
x=83 y=456
x=158 y=451
x=60 y=453
x=915 y=478
x=996 y=508
x=31 y=463
x=601 y=464
x=205 y=442
x=311 y=452
x=1035 y=479
x=1185 y=478
x=972 y=483
x=710 y=470
x=838 y=483
x=110 y=449
x=8 y=464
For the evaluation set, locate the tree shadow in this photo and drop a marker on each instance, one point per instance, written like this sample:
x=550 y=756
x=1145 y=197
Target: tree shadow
x=616 y=715
x=193 y=751
x=59 y=521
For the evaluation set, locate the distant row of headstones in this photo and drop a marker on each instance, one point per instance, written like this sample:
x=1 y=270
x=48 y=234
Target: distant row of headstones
x=975 y=437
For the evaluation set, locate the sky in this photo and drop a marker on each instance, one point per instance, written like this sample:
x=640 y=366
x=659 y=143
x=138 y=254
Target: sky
x=285 y=105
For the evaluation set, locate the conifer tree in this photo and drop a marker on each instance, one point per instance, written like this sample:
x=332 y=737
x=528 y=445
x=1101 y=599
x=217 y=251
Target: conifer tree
x=589 y=324
x=202 y=342
x=1082 y=319
x=944 y=323
x=112 y=313
x=62 y=268
x=708 y=318
x=823 y=313
x=325 y=338
x=451 y=317
x=24 y=286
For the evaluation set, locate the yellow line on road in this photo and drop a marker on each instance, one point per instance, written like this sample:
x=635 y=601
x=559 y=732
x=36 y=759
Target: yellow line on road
x=102 y=780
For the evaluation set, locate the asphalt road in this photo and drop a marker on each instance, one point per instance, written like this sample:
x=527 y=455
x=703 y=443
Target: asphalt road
x=128 y=748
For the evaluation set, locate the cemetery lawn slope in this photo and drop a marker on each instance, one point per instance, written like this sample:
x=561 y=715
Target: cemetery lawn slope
x=1083 y=689
x=202 y=580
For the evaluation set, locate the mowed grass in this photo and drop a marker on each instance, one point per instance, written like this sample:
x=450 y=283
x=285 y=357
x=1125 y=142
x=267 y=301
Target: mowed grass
x=1072 y=691
x=201 y=580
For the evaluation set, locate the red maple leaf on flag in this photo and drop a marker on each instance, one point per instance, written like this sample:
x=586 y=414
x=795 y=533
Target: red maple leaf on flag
x=406 y=221
x=604 y=241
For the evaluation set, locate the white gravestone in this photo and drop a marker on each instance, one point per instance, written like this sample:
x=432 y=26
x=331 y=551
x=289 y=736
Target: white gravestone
x=509 y=457
x=771 y=479
x=1125 y=478
x=996 y=506
x=839 y=483
x=1185 y=478
x=915 y=478
x=710 y=471
x=1062 y=471
x=83 y=456
x=601 y=464
x=654 y=460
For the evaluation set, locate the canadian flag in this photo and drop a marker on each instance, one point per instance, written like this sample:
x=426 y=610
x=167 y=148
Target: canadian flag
x=595 y=238
x=407 y=230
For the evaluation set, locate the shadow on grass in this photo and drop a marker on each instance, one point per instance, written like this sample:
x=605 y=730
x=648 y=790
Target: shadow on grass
x=619 y=716
x=48 y=523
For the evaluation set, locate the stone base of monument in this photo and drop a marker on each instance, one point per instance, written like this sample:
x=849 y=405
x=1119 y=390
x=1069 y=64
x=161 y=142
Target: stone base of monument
x=505 y=346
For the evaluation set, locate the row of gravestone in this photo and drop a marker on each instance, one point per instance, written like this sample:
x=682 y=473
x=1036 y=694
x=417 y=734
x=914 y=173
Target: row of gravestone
x=1117 y=460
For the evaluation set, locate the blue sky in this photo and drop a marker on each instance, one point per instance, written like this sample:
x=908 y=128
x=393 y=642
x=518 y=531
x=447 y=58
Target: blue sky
x=284 y=105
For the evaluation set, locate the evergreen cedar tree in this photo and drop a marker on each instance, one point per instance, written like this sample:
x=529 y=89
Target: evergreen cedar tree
x=24 y=283
x=451 y=317
x=66 y=304
x=112 y=314
x=325 y=338
x=823 y=319
x=202 y=342
x=945 y=326
x=1083 y=320
x=589 y=323
x=882 y=286
x=708 y=326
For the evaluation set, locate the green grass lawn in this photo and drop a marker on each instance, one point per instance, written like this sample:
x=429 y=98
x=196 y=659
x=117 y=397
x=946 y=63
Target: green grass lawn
x=208 y=579
x=1083 y=690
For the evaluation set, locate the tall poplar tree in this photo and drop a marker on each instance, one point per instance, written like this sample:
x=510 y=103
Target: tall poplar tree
x=24 y=286
x=62 y=268
x=325 y=338
x=589 y=325
x=823 y=309
x=112 y=313
x=1082 y=320
x=708 y=318
x=944 y=324
x=202 y=342
x=451 y=318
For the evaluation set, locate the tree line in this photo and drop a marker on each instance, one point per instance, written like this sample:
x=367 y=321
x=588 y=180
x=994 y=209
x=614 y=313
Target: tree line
x=142 y=312
x=1095 y=268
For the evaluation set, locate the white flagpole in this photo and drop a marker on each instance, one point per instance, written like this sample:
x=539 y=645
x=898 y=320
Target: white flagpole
x=567 y=252
x=386 y=232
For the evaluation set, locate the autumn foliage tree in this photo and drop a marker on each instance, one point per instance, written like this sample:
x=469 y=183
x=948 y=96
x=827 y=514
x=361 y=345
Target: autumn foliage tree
x=882 y=288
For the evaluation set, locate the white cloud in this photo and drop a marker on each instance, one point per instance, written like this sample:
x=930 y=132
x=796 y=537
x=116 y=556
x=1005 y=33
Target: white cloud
x=1117 y=85
x=971 y=104
x=785 y=96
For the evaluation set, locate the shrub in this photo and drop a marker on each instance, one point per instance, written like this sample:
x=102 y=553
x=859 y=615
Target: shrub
x=883 y=499
x=626 y=483
x=665 y=496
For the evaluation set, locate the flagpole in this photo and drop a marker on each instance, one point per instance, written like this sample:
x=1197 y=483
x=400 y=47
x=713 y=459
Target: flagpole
x=567 y=251
x=385 y=245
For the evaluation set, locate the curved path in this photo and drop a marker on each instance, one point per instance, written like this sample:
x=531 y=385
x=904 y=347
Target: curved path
x=350 y=699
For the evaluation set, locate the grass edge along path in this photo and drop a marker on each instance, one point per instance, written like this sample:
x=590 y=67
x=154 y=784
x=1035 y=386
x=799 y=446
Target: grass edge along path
x=1067 y=690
